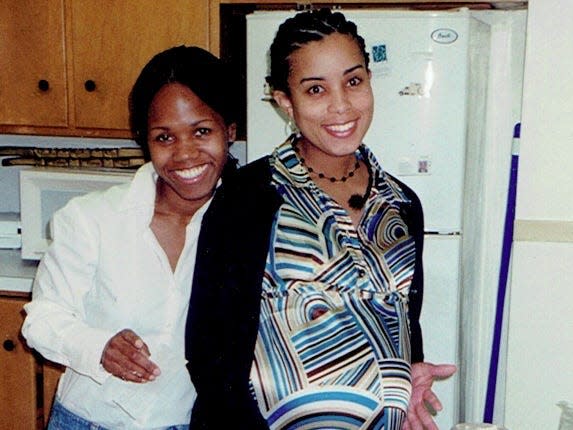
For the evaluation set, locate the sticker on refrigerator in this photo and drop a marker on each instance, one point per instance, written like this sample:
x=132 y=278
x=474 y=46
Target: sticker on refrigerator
x=424 y=166
x=379 y=53
x=379 y=64
x=415 y=166
x=413 y=89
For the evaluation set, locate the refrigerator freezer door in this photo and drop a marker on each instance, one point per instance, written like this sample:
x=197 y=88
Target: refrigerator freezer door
x=441 y=315
x=420 y=84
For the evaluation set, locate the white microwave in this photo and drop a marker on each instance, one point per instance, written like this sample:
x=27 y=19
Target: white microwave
x=45 y=190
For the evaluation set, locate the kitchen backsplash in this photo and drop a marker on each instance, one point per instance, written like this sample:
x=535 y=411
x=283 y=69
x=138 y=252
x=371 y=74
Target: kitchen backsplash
x=119 y=158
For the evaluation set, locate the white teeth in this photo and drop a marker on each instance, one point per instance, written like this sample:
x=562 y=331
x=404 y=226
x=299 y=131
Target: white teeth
x=342 y=127
x=191 y=173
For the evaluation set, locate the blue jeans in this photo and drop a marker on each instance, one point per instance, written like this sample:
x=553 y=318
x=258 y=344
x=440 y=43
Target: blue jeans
x=63 y=419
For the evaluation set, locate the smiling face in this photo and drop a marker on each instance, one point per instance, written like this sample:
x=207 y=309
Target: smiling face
x=188 y=146
x=330 y=97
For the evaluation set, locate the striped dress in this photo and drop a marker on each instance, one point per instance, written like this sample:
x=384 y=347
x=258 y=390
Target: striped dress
x=333 y=348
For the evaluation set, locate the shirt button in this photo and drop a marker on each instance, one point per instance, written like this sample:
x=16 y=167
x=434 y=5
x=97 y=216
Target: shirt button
x=361 y=273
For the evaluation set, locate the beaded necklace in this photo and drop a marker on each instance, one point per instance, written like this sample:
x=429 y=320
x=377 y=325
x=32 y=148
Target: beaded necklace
x=356 y=201
x=323 y=175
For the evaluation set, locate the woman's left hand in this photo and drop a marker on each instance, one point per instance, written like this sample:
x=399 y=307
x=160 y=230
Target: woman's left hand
x=423 y=376
x=126 y=356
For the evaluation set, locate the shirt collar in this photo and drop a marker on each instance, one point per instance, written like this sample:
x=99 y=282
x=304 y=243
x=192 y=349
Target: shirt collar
x=141 y=192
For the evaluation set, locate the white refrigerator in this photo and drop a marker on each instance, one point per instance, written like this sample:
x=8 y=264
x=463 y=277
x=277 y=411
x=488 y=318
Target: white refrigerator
x=430 y=75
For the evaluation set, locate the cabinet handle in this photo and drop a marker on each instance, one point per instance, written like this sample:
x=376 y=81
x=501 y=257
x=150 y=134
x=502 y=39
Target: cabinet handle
x=9 y=345
x=89 y=85
x=43 y=85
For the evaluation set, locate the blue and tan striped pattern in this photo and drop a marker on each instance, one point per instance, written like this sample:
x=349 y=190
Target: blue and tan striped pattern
x=333 y=347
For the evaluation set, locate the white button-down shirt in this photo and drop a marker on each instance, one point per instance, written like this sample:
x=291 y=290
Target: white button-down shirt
x=105 y=271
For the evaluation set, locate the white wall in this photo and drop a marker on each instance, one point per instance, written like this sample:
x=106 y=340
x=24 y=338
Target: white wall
x=540 y=342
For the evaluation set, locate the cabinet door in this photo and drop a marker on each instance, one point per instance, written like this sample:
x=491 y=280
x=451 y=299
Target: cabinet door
x=112 y=43
x=32 y=68
x=17 y=370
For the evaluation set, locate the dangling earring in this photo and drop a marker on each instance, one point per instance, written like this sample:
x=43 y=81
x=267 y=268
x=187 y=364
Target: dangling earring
x=291 y=128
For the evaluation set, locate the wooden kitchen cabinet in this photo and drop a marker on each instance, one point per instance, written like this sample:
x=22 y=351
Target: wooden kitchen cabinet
x=32 y=63
x=68 y=65
x=113 y=40
x=18 y=371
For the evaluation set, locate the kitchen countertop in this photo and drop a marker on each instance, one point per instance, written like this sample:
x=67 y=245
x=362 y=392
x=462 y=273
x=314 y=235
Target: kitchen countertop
x=16 y=275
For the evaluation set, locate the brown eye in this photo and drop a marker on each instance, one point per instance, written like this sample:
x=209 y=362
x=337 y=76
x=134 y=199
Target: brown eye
x=355 y=81
x=315 y=89
x=203 y=131
x=163 y=138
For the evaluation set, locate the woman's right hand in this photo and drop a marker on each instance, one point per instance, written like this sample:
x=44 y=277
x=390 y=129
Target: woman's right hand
x=126 y=356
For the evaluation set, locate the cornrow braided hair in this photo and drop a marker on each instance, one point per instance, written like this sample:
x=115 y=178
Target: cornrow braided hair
x=305 y=27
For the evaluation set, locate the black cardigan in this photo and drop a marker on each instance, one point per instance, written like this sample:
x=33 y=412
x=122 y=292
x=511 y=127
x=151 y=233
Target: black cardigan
x=222 y=325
